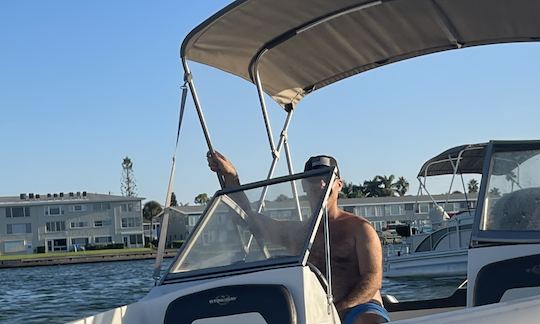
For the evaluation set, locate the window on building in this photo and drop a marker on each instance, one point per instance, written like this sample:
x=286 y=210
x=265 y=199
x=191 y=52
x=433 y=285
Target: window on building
x=374 y=211
x=394 y=210
x=17 y=212
x=78 y=208
x=361 y=211
x=54 y=210
x=409 y=207
x=97 y=207
x=14 y=246
x=78 y=224
x=101 y=223
x=19 y=228
x=128 y=207
x=55 y=226
x=193 y=219
x=131 y=222
x=81 y=241
x=135 y=239
x=102 y=239
x=423 y=208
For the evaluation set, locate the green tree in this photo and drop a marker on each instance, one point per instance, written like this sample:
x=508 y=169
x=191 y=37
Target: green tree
x=402 y=186
x=128 y=186
x=387 y=185
x=174 y=202
x=282 y=197
x=201 y=199
x=472 y=186
x=373 y=188
x=151 y=209
x=350 y=190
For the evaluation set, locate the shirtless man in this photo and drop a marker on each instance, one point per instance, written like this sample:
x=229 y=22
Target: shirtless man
x=355 y=249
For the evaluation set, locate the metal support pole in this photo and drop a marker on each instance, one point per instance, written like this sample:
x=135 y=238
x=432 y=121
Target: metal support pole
x=293 y=184
x=329 y=296
x=275 y=158
x=265 y=113
x=191 y=84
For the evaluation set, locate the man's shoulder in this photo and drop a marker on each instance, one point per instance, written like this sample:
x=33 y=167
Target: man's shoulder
x=355 y=222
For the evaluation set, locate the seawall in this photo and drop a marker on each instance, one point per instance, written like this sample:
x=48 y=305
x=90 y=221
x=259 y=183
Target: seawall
x=57 y=259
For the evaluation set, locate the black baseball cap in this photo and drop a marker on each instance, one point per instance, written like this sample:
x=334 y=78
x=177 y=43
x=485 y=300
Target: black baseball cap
x=321 y=161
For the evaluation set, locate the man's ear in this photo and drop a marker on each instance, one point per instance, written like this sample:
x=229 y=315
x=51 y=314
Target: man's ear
x=339 y=183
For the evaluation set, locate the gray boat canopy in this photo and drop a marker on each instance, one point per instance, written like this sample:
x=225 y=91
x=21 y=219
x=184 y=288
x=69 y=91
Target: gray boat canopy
x=471 y=160
x=298 y=46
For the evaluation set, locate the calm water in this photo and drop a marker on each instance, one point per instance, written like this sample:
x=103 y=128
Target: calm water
x=57 y=294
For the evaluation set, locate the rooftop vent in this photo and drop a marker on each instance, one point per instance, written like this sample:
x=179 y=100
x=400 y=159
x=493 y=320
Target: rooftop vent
x=22 y=196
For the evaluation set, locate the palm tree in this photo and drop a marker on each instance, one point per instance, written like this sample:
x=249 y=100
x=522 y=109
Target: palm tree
x=495 y=191
x=373 y=188
x=511 y=177
x=472 y=186
x=402 y=186
x=388 y=187
x=351 y=190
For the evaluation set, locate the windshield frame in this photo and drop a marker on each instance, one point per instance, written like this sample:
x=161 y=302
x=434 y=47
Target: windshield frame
x=173 y=277
x=480 y=237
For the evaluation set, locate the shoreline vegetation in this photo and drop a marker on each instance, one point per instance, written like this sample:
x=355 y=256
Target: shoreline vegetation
x=59 y=258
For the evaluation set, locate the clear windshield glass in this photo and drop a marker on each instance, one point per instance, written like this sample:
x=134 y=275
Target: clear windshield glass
x=512 y=201
x=238 y=231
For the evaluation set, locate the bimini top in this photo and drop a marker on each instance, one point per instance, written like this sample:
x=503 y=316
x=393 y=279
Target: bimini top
x=303 y=45
x=471 y=160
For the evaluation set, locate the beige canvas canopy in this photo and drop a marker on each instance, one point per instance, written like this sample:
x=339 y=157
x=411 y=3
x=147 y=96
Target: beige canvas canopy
x=304 y=45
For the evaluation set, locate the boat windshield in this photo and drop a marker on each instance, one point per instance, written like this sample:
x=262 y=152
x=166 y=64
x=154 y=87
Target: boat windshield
x=512 y=199
x=237 y=232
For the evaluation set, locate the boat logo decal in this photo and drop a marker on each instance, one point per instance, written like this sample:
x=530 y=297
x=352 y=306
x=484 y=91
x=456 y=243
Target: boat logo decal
x=535 y=269
x=222 y=300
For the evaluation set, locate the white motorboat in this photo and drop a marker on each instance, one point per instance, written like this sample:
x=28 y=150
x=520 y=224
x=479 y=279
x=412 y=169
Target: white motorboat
x=443 y=251
x=227 y=272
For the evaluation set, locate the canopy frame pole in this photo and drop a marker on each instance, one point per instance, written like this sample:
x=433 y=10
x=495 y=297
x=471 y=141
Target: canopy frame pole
x=455 y=166
x=273 y=165
x=260 y=91
x=291 y=171
x=189 y=79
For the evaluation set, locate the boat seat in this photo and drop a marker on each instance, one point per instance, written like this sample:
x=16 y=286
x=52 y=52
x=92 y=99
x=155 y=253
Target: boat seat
x=273 y=302
x=519 y=210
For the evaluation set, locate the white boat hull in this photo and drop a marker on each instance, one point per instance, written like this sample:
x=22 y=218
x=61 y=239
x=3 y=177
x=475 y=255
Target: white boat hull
x=427 y=264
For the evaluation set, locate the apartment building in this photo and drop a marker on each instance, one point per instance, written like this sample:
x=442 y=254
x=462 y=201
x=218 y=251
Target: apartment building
x=67 y=221
x=380 y=211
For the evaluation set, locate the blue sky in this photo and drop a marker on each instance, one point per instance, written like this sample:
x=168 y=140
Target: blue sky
x=84 y=84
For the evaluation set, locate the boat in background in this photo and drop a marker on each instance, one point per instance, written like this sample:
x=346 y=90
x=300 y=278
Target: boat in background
x=441 y=252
